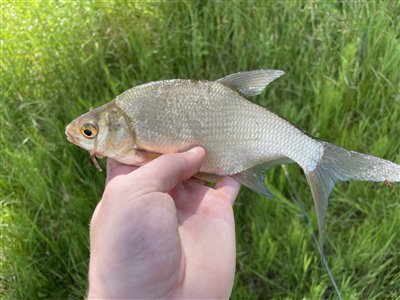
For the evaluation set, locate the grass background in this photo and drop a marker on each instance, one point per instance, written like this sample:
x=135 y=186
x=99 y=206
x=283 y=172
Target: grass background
x=342 y=84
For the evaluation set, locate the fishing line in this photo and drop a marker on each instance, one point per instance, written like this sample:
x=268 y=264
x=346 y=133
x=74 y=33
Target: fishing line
x=300 y=204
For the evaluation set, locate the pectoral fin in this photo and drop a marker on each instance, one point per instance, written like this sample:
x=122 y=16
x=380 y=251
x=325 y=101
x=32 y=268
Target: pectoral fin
x=250 y=83
x=207 y=177
x=137 y=157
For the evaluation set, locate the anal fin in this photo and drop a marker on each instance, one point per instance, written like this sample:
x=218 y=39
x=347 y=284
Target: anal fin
x=254 y=177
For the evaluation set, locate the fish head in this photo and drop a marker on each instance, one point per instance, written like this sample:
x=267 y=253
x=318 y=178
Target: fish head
x=104 y=131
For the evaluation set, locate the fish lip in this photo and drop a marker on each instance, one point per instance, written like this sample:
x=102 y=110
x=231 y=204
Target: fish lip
x=70 y=137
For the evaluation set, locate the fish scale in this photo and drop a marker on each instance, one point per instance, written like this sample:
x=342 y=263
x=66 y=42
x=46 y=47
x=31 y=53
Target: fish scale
x=212 y=115
x=241 y=139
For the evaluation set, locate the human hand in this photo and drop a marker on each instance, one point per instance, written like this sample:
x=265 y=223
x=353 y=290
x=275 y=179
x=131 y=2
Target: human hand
x=158 y=233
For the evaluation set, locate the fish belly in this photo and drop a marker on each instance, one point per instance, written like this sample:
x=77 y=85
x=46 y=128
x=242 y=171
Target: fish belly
x=174 y=115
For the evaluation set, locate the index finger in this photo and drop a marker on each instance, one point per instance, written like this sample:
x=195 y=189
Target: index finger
x=115 y=168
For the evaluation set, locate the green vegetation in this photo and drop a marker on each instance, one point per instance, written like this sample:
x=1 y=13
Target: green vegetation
x=342 y=84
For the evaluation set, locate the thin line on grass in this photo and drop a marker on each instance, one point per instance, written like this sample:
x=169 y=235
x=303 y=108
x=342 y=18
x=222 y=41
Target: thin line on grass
x=265 y=279
x=297 y=200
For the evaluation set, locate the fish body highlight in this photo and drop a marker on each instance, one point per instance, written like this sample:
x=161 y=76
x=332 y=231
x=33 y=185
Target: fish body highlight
x=241 y=138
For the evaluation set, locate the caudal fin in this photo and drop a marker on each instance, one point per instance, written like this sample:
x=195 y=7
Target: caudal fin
x=338 y=164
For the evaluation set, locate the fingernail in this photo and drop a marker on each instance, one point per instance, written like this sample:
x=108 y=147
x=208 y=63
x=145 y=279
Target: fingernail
x=194 y=149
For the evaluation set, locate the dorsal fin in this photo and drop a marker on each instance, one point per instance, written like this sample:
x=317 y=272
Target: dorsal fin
x=250 y=83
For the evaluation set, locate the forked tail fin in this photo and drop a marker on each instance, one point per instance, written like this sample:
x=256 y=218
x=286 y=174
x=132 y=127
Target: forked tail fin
x=338 y=164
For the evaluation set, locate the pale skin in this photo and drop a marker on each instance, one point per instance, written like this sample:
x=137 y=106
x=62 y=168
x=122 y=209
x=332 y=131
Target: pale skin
x=159 y=233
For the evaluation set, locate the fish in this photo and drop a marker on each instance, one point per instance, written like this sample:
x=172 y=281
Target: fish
x=242 y=139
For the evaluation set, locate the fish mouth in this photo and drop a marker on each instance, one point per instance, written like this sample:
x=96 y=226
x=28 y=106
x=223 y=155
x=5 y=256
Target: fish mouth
x=70 y=137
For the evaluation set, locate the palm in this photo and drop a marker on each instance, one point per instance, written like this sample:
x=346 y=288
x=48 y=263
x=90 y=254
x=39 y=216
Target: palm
x=180 y=243
x=207 y=233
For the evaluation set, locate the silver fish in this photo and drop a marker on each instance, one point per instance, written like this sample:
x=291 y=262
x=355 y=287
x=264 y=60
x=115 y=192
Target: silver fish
x=241 y=138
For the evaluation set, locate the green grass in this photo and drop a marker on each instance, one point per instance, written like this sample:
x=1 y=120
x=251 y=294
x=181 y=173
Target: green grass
x=342 y=85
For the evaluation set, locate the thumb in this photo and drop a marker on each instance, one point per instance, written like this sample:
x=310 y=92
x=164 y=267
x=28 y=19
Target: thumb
x=166 y=171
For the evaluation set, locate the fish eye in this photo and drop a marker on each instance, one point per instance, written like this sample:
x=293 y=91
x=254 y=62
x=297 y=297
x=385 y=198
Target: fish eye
x=89 y=130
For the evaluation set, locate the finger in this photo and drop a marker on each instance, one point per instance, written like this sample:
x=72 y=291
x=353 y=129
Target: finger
x=95 y=213
x=166 y=171
x=115 y=168
x=229 y=187
x=188 y=196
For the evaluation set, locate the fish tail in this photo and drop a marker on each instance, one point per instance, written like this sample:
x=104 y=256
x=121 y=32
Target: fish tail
x=338 y=164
